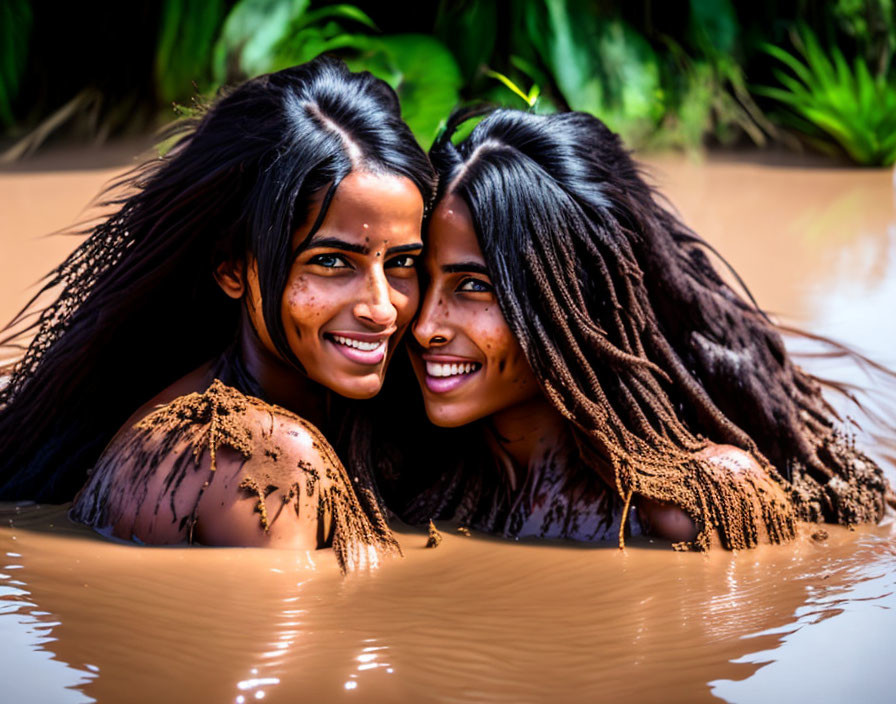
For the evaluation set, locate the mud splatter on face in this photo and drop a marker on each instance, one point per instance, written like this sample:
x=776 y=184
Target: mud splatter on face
x=460 y=328
x=453 y=329
x=345 y=288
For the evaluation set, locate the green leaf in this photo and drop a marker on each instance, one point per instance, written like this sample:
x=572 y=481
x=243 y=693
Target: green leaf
x=186 y=40
x=346 y=12
x=830 y=97
x=468 y=28
x=311 y=42
x=793 y=63
x=528 y=98
x=600 y=65
x=466 y=128
x=251 y=32
x=571 y=57
x=423 y=73
x=534 y=92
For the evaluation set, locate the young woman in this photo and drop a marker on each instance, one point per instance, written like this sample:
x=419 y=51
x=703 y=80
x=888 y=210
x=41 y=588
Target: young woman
x=606 y=364
x=271 y=254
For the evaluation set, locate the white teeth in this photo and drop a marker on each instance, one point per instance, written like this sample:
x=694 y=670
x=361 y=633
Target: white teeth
x=436 y=369
x=357 y=344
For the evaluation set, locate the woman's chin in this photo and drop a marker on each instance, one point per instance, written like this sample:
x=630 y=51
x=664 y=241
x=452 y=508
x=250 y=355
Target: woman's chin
x=357 y=389
x=444 y=417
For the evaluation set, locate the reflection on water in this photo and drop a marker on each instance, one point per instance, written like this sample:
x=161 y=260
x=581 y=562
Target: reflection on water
x=31 y=670
x=838 y=646
x=479 y=619
x=476 y=620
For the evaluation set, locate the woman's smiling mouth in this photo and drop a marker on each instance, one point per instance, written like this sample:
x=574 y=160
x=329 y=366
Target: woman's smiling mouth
x=446 y=374
x=360 y=348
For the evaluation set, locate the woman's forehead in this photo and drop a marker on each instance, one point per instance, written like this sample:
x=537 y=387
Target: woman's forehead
x=372 y=210
x=451 y=235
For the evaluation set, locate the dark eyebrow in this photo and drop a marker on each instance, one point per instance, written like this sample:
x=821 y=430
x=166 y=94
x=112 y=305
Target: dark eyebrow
x=416 y=247
x=465 y=267
x=335 y=243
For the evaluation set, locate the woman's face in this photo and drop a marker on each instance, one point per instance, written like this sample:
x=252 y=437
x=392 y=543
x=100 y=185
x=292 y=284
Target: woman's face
x=352 y=292
x=467 y=361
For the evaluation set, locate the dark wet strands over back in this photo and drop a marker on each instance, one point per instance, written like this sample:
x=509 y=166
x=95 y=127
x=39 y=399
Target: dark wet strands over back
x=639 y=342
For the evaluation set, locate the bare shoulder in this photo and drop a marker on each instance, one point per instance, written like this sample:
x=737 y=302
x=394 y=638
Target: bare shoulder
x=216 y=467
x=734 y=459
x=765 y=512
x=733 y=467
x=277 y=493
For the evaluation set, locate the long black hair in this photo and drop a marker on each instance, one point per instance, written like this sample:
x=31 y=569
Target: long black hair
x=137 y=304
x=635 y=337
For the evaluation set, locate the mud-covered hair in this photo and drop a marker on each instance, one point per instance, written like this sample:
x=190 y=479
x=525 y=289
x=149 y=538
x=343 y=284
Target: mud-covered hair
x=136 y=305
x=635 y=337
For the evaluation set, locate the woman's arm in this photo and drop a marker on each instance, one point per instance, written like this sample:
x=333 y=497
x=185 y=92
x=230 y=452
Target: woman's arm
x=665 y=521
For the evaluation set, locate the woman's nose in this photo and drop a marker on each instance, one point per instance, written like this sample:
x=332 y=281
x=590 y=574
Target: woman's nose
x=430 y=328
x=375 y=305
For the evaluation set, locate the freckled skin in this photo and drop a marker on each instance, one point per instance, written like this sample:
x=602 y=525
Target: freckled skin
x=470 y=324
x=460 y=319
x=329 y=290
x=334 y=291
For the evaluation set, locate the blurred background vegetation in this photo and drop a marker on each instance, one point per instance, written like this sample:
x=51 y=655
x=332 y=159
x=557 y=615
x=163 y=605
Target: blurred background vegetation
x=666 y=74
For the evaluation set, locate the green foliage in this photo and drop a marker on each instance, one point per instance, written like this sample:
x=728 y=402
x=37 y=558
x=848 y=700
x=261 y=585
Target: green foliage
x=260 y=36
x=469 y=29
x=599 y=64
x=704 y=83
x=661 y=76
x=871 y=24
x=423 y=73
x=321 y=31
x=187 y=35
x=15 y=28
x=831 y=102
x=252 y=30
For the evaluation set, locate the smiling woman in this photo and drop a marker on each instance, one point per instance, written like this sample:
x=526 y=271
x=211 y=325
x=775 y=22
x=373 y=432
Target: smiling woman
x=604 y=376
x=260 y=272
x=350 y=294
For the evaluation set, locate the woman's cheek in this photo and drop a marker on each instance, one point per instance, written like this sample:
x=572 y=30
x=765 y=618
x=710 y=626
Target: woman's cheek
x=406 y=299
x=308 y=304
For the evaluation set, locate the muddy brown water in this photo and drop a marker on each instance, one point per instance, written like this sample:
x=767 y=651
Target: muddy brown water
x=481 y=619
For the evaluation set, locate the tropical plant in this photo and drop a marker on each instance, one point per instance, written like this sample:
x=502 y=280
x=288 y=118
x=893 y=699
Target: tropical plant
x=831 y=102
x=267 y=35
x=15 y=27
x=704 y=83
x=187 y=32
x=599 y=64
x=871 y=24
x=661 y=74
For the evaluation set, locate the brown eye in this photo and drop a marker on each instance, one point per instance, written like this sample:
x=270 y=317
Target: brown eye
x=405 y=261
x=470 y=285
